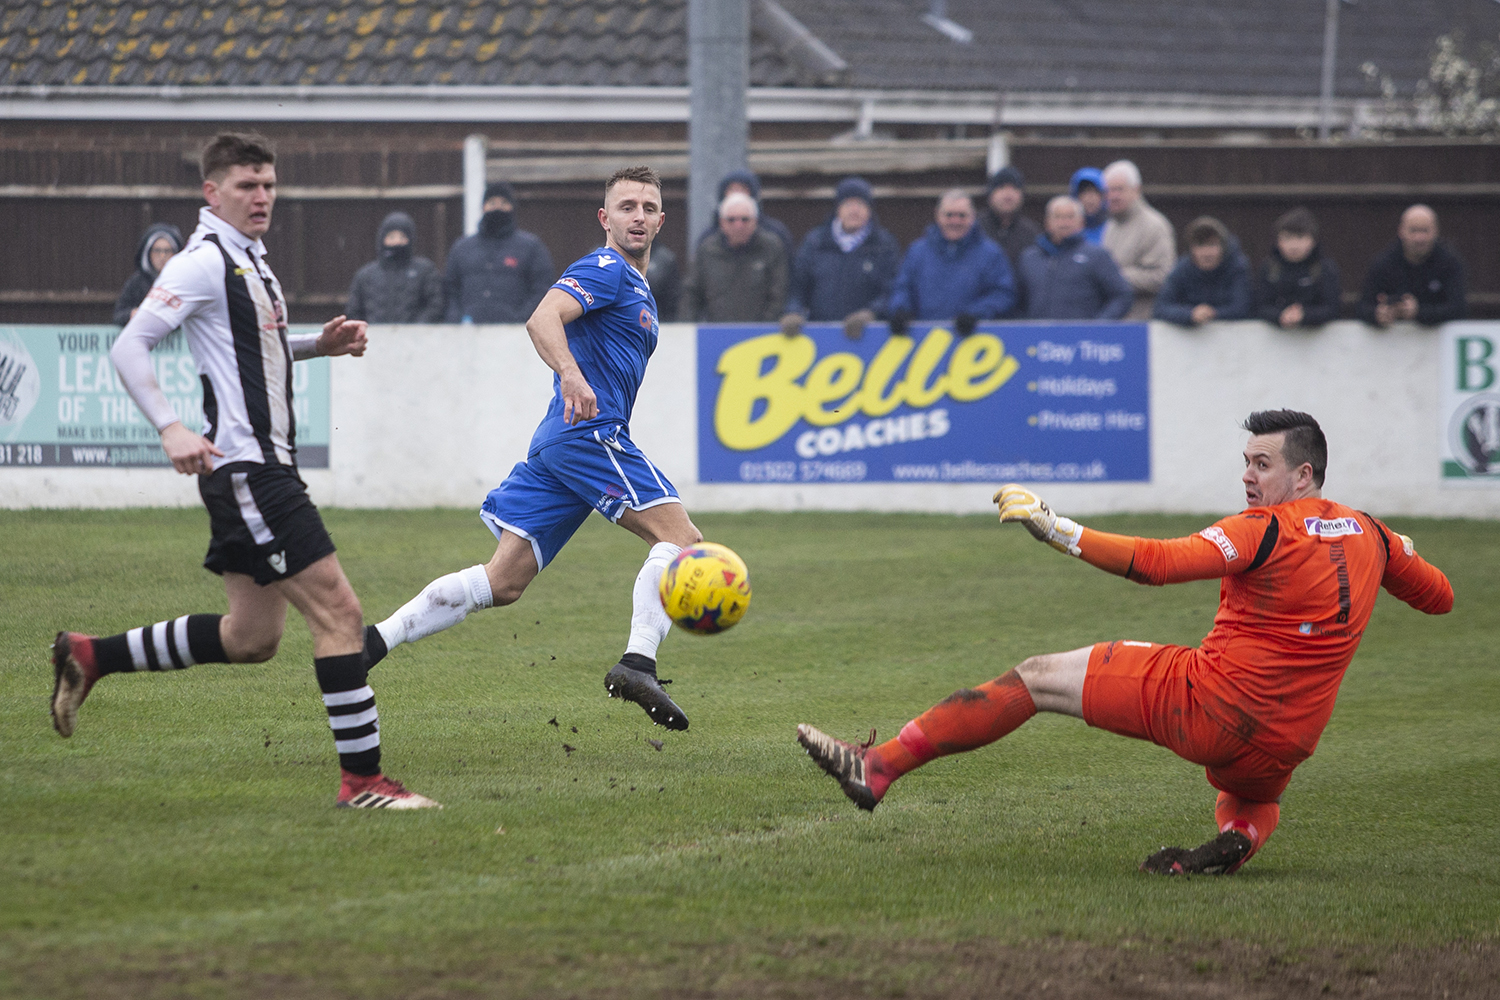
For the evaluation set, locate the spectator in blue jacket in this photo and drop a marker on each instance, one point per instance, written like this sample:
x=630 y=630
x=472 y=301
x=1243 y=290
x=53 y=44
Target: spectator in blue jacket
x=953 y=272
x=1087 y=186
x=1063 y=276
x=1211 y=281
x=845 y=267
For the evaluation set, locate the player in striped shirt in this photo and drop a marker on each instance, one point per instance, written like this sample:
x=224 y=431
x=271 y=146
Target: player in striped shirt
x=268 y=541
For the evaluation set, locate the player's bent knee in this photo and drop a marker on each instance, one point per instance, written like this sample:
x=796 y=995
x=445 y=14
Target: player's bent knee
x=251 y=648
x=507 y=593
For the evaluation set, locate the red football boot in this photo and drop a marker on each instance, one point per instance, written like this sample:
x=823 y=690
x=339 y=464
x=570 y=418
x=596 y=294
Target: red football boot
x=74 y=674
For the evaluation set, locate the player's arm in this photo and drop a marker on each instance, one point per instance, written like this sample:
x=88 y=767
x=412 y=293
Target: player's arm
x=340 y=335
x=546 y=327
x=190 y=453
x=1411 y=578
x=1204 y=556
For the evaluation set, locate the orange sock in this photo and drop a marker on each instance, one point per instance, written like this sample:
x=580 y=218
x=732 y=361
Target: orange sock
x=965 y=720
x=1256 y=820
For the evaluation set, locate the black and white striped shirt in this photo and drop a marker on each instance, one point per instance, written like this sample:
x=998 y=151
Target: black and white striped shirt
x=230 y=306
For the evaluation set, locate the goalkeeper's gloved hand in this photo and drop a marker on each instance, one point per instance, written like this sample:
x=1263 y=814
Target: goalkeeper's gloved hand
x=1020 y=504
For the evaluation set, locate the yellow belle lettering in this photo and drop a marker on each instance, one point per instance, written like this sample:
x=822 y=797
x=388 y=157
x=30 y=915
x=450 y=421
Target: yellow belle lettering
x=874 y=399
x=920 y=390
x=979 y=367
x=744 y=386
x=832 y=379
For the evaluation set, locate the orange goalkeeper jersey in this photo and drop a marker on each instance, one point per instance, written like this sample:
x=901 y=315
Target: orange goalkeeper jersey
x=1299 y=583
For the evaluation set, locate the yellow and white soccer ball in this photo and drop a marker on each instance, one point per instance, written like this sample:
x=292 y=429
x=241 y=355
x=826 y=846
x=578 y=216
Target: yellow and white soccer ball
x=706 y=589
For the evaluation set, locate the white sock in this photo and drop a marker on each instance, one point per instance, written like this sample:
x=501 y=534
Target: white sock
x=649 y=623
x=442 y=604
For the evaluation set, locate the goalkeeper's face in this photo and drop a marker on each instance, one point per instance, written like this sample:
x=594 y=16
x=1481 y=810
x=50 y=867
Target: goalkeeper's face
x=1268 y=479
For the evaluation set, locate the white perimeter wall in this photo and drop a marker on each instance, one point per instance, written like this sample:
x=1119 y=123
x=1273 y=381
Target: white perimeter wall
x=436 y=416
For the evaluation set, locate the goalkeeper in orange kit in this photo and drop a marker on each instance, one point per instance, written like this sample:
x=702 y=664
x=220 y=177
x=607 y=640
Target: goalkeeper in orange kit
x=1299 y=580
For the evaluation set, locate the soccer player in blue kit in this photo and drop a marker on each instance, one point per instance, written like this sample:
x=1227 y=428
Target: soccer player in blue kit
x=595 y=328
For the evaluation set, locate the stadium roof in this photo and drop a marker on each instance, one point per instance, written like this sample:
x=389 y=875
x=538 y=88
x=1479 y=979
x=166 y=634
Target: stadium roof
x=1206 y=62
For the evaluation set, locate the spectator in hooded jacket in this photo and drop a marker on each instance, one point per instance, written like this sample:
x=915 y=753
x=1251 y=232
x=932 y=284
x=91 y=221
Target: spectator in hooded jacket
x=953 y=272
x=499 y=274
x=396 y=287
x=1087 y=185
x=1419 y=277
x=739 y=275
x=158 y=244
x=1138 y=236
x=1002 y=220
x=1063 y=276
x=1211 y=281
x=1297 y=286
x=745 y=182
x=845 y=267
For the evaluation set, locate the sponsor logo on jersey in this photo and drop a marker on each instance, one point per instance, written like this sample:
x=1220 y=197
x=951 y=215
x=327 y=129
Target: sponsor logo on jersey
x=1332 y=527
x=639 y=290
x=605 y=260
x=240 y=272
x=1216 y=535
x=165 y=297
x=1305 y=628
x=573 y=284
x=648 y=321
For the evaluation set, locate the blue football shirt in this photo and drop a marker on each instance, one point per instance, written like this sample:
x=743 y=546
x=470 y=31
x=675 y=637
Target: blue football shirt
x=611 y=341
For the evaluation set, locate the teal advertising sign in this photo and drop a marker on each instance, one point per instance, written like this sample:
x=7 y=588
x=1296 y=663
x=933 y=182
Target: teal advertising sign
x=61 y=403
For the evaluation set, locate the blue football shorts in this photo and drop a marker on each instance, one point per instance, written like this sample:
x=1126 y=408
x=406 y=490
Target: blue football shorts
x=546 y=497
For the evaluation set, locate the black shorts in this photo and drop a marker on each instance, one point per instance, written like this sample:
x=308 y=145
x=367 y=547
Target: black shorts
x=264 y=524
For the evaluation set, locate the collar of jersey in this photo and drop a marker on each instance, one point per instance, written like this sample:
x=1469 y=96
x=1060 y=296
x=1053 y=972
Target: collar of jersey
x=207 y=220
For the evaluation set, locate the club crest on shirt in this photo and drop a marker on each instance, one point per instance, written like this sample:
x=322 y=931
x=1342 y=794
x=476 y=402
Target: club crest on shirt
x=1332 y=527
x=573 y=284
x=1216 y=535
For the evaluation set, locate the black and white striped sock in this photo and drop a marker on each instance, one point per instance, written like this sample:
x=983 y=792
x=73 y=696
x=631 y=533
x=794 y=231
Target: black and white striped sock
x=351 y=711
x=167 y=645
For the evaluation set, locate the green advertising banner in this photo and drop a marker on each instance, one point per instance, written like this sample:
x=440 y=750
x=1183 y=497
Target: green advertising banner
x=61 y=403
x=1469 y=404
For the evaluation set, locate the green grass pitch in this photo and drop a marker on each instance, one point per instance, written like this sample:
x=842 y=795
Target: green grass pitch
x=183 y=842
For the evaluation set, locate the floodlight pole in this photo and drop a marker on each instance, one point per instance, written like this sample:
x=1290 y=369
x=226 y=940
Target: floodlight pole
x=718 y=129
x=1330 y=58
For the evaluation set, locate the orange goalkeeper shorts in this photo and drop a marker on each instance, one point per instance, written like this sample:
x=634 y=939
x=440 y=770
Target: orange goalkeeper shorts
x=1144 y=690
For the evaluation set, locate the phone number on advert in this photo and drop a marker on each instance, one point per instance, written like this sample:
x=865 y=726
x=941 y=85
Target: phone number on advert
x=802 y=472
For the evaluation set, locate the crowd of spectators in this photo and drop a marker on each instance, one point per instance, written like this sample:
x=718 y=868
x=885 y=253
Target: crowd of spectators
x=1102 y=253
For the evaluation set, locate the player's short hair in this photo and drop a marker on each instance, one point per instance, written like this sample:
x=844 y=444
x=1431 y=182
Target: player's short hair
x=234 y=149
x=1206 y=231
x=1303 y=440
x=641 y=175
x=1298 y=222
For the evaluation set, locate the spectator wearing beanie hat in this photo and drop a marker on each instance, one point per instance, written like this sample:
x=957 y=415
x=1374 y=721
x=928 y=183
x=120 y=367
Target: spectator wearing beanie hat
x=499 y=274
x=1001 y=218
x=845 y=267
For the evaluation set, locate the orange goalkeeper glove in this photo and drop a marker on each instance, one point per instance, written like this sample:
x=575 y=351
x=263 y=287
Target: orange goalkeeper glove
x=1021 y=505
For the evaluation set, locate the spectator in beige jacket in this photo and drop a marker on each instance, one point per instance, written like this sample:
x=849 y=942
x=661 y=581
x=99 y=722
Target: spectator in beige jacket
x=1137 y=236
